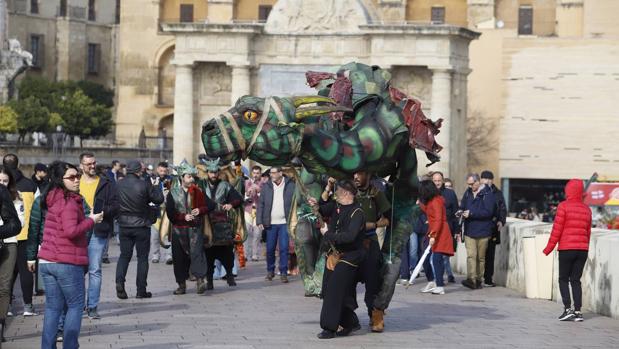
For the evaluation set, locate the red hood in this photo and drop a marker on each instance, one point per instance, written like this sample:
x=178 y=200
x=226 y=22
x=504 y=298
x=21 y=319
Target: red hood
x=574 y=190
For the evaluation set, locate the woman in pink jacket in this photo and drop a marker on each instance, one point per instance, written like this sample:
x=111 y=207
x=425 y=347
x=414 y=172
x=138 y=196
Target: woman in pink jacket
x=64 y=254
x=571 y=230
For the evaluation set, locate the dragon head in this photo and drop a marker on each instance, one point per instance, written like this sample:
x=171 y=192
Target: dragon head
x=266 y=130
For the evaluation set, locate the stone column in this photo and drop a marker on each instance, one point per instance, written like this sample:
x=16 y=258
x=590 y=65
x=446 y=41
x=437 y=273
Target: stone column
x=183 y=114
x=441 y=108
x=240 y=82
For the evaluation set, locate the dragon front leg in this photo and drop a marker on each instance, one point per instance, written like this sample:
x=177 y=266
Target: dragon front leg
x=403 y=195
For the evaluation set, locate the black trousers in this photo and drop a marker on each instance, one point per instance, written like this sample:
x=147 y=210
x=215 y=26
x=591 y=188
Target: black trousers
x=370 y=272
x=181 y=260
x=489 y=269
x=225 y=254
x=140 y=238
x=571 y=265
x=26 y=278
x=339 y=298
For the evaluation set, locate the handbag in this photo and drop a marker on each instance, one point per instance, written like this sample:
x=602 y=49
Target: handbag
x=332 y=259
x=164 y=230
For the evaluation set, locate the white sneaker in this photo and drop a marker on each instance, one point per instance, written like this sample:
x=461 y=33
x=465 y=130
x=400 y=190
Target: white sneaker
x=429 y=287
x=403 y=282
x=438 y=290
x=29 y=310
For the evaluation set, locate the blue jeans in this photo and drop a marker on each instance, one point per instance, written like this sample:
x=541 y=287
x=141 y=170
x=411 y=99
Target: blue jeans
x=438 y=266
x=416 y=240
x=64 y=284
x=277 y=234
x=96 y=247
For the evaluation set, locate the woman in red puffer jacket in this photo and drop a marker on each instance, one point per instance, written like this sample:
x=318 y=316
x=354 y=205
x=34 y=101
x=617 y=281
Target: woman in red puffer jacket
x=64 y=254
x=572 y=230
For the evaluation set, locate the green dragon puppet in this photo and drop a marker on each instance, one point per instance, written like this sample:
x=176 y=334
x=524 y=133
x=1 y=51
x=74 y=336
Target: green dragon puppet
x=356 y=122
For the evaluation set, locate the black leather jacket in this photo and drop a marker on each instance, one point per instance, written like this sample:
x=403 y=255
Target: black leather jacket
x=11 y=225
x=134 y=195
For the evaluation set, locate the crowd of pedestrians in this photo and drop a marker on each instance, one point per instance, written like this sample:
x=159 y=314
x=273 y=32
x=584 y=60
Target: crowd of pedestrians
x=57 y=226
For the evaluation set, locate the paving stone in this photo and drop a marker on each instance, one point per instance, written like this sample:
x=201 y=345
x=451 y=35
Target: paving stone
x=261 y=314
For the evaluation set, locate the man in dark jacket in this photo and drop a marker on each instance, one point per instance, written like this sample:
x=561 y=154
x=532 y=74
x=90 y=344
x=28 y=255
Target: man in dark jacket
x=272 y=214
x=478 y=210
x=344 y=237
x=376 y=207
x=135 y=218
x=451 y=206
x=221 y=241
x=500 y=214
x=39 y=177
x=100 y=194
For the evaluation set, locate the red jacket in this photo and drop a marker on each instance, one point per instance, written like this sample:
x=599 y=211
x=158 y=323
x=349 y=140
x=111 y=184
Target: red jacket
x=572 y=225
x=438 y=228
x=64 y=233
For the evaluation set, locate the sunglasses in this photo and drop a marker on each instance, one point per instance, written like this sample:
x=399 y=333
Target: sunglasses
x=73 y=177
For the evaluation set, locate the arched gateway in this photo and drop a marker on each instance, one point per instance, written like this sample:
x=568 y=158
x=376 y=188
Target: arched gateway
x=217 y=63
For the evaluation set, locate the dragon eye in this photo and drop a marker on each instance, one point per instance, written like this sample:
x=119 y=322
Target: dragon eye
x=250 y=116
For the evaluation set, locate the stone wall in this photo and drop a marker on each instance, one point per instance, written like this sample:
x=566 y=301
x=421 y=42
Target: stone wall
x=30 y=155
x=568 y=98
x=142 y=51
x=600 y=281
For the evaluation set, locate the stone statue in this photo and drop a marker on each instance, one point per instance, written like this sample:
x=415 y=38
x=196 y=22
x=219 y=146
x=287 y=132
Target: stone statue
x=13 y=60
x=319 y=16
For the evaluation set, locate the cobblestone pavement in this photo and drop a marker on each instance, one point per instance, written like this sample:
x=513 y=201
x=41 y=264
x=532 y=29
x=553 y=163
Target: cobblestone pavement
x=261 y=314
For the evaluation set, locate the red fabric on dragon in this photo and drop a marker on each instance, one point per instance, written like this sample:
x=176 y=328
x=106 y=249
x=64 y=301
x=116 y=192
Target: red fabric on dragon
x=421 y=129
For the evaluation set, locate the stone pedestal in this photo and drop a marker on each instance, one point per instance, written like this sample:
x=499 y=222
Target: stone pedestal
x=183 y=114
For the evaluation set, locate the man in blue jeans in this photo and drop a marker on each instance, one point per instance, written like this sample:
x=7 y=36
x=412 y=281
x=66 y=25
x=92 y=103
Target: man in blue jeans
x=100 y=194
x=272 y=214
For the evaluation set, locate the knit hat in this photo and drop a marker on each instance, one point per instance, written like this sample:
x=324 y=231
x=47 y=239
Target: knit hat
x=487 y=174
x=134 y=166
x=185 y=168
x=40 y=167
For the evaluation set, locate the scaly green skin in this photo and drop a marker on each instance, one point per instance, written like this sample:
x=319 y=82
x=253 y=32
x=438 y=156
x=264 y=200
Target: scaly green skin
x=376 y=141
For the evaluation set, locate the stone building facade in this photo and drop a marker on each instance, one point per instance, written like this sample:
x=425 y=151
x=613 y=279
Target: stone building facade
x=68 y=39
x=529 y=71
x=219 y=59
x=545 y=79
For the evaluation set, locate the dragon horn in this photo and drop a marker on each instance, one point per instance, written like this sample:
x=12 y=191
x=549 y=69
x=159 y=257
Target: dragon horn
x=302 y=100
x=303 y=113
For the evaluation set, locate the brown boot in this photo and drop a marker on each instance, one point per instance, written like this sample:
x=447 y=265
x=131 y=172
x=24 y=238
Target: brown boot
x=182 y=289
x=201 y=285
x=378 y=323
